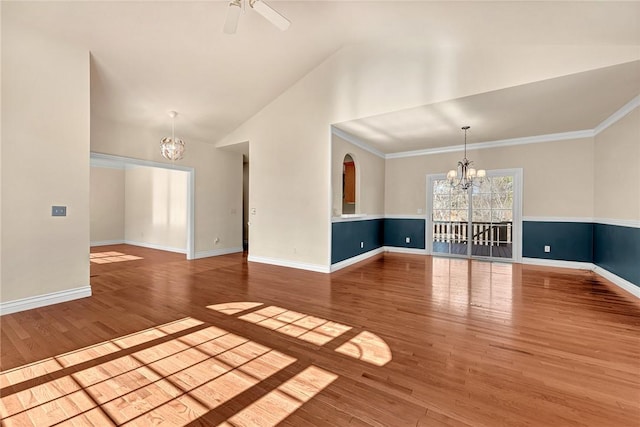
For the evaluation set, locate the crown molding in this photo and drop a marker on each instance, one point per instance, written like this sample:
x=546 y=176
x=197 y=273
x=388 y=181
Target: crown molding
x=626 y=109
x=588 y=133
x=355 y=141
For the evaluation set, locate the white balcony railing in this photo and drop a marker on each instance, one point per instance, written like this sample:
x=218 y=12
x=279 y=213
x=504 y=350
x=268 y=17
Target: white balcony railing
x=482 y=233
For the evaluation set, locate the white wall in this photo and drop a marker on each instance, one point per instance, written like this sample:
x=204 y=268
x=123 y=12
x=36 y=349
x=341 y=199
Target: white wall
x=369 y=178
x=550 y=172
x=107 y=205
x=1 y=136
x=218 y=179
x=290 y=138
x=45 y=162
x=617 y=176
x=155 y=211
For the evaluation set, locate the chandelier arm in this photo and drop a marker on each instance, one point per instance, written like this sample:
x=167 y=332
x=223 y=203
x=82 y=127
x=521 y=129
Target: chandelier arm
x=465 y=176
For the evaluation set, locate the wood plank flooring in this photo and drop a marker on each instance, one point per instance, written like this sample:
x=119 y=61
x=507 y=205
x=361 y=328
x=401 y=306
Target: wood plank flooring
x=503 y=251
x=398 y=340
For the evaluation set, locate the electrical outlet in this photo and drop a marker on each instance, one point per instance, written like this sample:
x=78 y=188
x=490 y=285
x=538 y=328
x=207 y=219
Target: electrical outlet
x=361 y=245
x=58 y=211
x=420 y=211
x=217 y=240
x=407 y=239
x=547 y=248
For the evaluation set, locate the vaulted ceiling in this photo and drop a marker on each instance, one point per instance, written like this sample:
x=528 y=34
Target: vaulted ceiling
x=151 y=57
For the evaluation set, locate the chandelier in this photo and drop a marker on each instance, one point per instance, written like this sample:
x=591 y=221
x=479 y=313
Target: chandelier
x=172 y=148
x=465 y=176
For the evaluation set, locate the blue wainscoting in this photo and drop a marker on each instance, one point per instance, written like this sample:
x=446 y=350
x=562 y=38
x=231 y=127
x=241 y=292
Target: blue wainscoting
x=396 y=231
x=617 y=250
x=569 y=241
x=611 y=247
x=346 y=237
x=374 y=233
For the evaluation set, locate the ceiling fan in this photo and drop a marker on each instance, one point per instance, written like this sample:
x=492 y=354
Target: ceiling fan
x=269 y=13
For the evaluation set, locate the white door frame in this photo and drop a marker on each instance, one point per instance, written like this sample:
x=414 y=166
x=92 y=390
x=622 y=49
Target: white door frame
x=516 y=232
x=124 y=161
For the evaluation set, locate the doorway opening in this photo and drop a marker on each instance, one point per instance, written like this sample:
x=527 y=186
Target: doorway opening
x=483 y=221
x=157 y=205
x=245 y=203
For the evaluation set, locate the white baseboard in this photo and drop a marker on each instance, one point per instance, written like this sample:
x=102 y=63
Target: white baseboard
x=44 y=300
x=558 y=263
x=618 y=281
x=613 y=278
x=291 y=264
x=107 y=243
x=356 y=259
x=401 y=250
x=154 y=246
x=216 y=252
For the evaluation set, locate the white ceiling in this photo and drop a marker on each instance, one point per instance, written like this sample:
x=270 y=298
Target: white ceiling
x=151 y=57
x=565 y=104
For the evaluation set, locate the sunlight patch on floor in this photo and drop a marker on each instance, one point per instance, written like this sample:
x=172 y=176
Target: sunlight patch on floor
x=307 y=328
x=365 y=346
x=109 y=257
x=278 y=404
x=175 y=381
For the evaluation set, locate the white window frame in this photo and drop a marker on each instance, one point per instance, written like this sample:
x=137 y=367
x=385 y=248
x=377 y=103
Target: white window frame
x=516 y=231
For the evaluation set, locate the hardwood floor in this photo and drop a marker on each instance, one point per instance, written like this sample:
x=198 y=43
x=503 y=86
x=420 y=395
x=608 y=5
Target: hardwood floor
x=398 y=340
x=503 y=251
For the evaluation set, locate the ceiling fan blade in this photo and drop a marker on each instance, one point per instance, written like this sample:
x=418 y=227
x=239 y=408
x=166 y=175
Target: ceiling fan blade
x=233 y=16
x=270 y=14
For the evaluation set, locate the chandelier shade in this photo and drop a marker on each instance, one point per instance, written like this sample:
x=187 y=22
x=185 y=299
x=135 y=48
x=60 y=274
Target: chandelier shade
x=465 y=176
x=172 y=148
